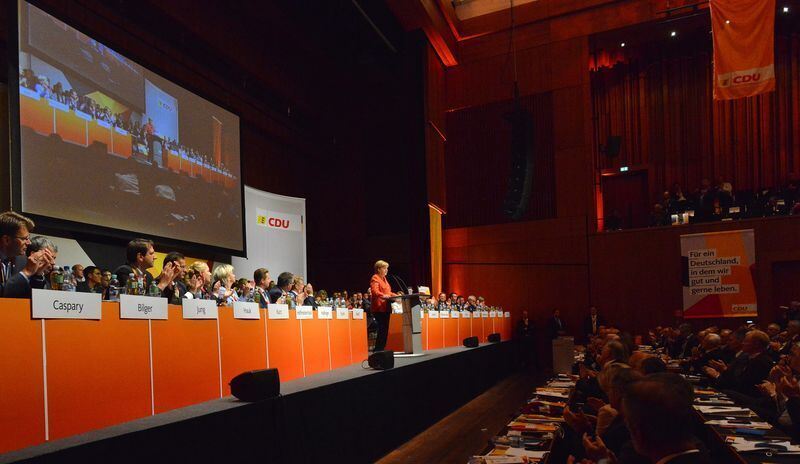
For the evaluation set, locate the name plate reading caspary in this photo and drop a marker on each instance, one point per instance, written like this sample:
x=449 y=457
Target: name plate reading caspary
x=358 y=313
x=142 y=307
x=342 y=313
x=246 y=310
x=278 y=311
x=200 y=309
x=324 y=312
x=52 y=304
x=305 y=312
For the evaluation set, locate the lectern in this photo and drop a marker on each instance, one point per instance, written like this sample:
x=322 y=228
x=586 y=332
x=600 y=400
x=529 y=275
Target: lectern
x=412 y=326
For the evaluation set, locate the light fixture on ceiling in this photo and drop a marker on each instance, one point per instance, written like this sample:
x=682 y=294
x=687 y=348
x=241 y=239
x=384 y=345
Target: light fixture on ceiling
x=622 y=44
x=727 y=21
x=673 y=33
x=786 y=9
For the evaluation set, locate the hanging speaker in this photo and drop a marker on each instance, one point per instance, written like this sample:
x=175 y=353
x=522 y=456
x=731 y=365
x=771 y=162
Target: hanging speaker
x=256 y=385
x=520 y=181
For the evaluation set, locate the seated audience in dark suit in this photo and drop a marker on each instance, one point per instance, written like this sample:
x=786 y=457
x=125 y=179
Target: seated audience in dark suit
x=174 y=289
x=262 y=280
x=92 y=282
x=16 y=269
x=748 y=370
x=41 y=279
x=308 y=290
x=140 y=256
x=653 y=408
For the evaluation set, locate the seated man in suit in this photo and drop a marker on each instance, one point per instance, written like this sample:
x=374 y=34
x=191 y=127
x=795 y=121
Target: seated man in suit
x=262 y=280
x=42 y=278
x=283 y=286
x=93 y=281
x=16 y=269
x=556 y=326
x=141 y=255
x=652 y=407
x=592 y=323
x=175 y=289
x=748 y=370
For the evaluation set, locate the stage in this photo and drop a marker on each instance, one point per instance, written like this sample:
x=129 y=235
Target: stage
x=348 y=414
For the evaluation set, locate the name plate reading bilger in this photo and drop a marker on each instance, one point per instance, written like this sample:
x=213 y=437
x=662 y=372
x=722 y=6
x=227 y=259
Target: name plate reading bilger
x=52 y=304
x=305 y=312
x=246 y=310
x=142 y=307
x=278 y=311
x=200 y=309
x=324 y=312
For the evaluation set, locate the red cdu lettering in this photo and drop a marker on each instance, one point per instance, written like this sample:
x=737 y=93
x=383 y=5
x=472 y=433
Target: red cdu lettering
x=747 y=78
x=276 y=222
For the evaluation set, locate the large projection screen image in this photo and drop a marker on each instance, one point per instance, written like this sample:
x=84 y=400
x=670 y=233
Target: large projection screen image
x=105 y=141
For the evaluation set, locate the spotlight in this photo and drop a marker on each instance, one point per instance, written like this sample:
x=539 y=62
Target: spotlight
x=786 y=9
x=673 y=33
x=727 y=21
x=622 y=44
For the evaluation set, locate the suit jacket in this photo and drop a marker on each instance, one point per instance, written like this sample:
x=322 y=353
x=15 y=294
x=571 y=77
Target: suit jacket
x=174 y=294
x=688 y=344
x=554 y=326
x=587 y=325
x=380 y=288
x=525 y=330
x=310 y=301
x=746 y=373
x=16 y=284
x=126 y=270
x=275 y=293
x=264 y=300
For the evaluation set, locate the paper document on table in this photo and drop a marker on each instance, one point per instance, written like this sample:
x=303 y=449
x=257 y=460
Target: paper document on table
x=742 y=444
x=739 y=424
x=544 y=427
x=524 y=452
x=721 y=409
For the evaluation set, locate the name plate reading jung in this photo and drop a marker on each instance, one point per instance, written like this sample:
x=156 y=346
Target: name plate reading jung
x=305 y=312
x=278 y=311
x=444 y=314
x=484 y=313
x=52 y=304
x=454 y=315
x=200 y=309
x=492 y=313
x=342 y=313
x=433 y=314
x=142 y=307
x=466 y=314
x=358 y=313
x=507 y=314
x=324 y=312
x=245 y=310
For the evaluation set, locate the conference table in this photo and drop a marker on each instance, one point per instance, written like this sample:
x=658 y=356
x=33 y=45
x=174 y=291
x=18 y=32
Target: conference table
x=64 y=377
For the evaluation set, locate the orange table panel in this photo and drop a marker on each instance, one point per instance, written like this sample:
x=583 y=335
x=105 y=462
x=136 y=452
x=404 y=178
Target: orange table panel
x=435 y=334
x=243 y=345
x=22 y=390
x=36 y=114
x=173 y=161
x=285 y=350
x=451 y=332
x=464 y=329
x=71 y=127
x=121 y=144
x=424 y=330
x=98 y=133
x=394 y=340
x=185 y=361
x=340 y=342
x=358 y=338
x=186 y=165
x=98 y=372
x=316 y=352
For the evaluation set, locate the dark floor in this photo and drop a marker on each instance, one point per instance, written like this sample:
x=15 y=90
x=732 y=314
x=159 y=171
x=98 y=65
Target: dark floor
x=466 y=431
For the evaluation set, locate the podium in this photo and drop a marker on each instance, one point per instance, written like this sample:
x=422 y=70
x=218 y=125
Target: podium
x=563 y=355
x=412 y=324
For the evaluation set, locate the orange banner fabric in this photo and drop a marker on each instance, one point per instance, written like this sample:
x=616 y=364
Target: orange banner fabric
x=744 y=47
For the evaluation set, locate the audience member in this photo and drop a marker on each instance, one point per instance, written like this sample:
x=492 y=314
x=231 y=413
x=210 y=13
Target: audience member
x=16 y=269
x=282 y=287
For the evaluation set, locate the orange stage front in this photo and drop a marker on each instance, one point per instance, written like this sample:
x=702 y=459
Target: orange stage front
x=73 y=376
x=449 y=332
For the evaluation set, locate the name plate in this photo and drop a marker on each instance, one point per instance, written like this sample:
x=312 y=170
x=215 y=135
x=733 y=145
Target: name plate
x=53 y=304
x=484 y=313
x=433 y=314
x=507 y=314
x=358 y=313
x=278 y=311
x=444 y=314
x=466 y=314
x=324 y=312
x=454 y=314
x=305 y=312
x=245 y=310
x=492 y=313
x=200 y=309
x=142 y=307
x=342 y=313
x=421 y=313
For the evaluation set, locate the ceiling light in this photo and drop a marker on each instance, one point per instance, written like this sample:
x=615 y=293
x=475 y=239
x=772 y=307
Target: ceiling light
x=622 y=44
x=673 y=33
x=727 y=21
x=786 y=9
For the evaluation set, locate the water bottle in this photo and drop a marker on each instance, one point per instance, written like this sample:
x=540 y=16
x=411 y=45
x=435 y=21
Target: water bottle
x=290 y=301
x=68 y=284
x=153 y=290
x=113 y=288
x=256 y=297
x=56 y=278
x=140 y=285
x=131 y=285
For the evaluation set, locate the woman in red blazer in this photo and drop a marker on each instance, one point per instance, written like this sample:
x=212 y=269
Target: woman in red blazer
x=381 y=308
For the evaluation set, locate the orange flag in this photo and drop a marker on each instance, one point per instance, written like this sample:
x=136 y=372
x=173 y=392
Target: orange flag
x=744 y=47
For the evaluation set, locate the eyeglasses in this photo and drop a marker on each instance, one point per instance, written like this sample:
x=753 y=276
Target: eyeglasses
x=26 y=238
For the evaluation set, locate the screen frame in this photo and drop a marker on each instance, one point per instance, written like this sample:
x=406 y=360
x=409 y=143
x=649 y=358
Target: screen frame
x=79 y=230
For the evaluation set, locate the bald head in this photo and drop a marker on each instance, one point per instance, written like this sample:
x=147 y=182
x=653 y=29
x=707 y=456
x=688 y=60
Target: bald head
x=711 y=341
x=755 y=342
